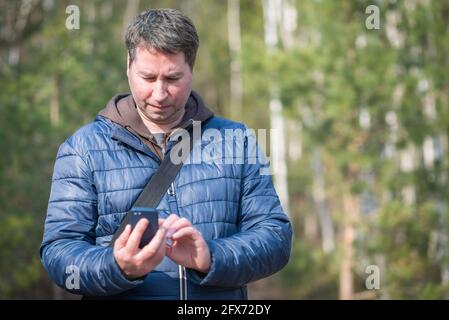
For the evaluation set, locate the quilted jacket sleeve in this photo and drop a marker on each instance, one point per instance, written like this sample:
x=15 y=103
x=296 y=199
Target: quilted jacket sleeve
x=262 y=245
x=68 y=251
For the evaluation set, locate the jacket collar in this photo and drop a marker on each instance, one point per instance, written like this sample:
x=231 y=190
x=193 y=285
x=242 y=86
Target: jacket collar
x=119 y=133
x=123 y=135
x=122 y=111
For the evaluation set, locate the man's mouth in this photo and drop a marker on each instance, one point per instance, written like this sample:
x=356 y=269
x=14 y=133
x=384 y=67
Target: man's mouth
x=159 y=106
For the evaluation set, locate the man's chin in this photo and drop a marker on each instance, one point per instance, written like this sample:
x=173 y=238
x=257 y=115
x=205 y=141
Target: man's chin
x=159 y=118
x=157 y=113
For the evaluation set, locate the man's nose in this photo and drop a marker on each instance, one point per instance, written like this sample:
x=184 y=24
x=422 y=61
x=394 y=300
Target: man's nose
x=159 y=91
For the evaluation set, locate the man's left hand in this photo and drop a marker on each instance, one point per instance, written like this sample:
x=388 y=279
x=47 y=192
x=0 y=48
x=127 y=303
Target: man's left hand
x=188 y=247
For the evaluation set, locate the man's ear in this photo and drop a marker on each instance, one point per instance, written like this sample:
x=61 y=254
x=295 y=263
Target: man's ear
x=128 y=64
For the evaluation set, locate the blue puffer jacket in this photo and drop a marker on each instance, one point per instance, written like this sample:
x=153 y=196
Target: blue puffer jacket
x=99 y=173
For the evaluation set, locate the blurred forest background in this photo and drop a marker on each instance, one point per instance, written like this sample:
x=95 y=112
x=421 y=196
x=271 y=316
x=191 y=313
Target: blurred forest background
x=363 y=114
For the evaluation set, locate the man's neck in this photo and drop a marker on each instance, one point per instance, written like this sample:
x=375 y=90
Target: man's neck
x=161 y=128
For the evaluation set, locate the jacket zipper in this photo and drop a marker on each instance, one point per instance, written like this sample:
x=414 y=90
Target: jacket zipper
x=182 y=270
x=182 y=283
x=171 y=190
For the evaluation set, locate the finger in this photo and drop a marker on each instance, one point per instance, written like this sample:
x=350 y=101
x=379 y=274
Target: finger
x=136 y=234
x=123 y=238
x=170 y=220
x=173 y=225
x=177 y=225
x=160 y=221
x=154 y=245
x=190 y=232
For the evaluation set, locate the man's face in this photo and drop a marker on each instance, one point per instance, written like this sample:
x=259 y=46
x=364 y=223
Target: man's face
x=160 y=84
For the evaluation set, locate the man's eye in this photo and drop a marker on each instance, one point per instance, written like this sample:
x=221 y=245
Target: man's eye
x=172 y=79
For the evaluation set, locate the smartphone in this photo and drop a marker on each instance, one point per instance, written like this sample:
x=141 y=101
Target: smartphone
x=152 y=215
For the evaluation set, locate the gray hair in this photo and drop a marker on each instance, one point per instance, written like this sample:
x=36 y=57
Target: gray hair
x=165 y=30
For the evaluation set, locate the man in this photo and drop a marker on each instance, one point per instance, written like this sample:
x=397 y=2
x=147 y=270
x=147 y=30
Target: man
x=226 y=225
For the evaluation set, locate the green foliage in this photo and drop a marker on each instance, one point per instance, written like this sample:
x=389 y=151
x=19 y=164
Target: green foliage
x=311 y=274
x=19 y=270
x=415 y=263
x=327 y=82
x=336 y=70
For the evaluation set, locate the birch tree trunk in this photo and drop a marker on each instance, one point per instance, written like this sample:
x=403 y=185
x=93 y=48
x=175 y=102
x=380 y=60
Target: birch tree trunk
x=319 y=198
x=15 y=28
x=236 y=86
x=350 y=207
x=272 y=18
x=132 y=9
x=54 y=102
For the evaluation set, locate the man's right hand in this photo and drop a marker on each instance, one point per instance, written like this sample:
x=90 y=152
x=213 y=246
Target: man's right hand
x=133 y=261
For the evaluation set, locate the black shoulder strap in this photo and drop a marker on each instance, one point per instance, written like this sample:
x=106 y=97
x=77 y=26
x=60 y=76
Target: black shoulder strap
x=159 y=183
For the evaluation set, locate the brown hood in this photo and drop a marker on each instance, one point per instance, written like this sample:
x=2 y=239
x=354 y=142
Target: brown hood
x=121 y=109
